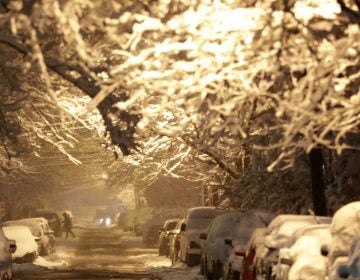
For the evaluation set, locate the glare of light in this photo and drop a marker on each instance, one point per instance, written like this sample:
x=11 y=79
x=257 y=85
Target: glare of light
x=108 y=221
x=101 y=221
x=327 y=9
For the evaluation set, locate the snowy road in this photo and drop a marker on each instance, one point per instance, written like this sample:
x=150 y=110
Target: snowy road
x=80 y=275
x=96 y=253
x=104 y=253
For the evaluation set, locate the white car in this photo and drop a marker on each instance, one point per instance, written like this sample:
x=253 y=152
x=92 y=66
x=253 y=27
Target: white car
x=345 y=227
x=303 y=260
x=278 y=236
x=39 y=227
x=27 y=248
x=7 y=247
x=196 y=221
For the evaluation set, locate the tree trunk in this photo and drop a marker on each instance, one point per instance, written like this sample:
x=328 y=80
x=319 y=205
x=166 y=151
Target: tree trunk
x=317 y=182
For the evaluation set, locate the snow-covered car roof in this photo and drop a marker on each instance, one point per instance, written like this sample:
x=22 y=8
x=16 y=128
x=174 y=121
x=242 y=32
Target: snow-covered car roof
x=280 y=219
x=237 y=226
x=36 y=225
x=25 y=241
x=344 y=228
x=308 y=240
x=312 y=230
x=285 y=226
x=203 y=212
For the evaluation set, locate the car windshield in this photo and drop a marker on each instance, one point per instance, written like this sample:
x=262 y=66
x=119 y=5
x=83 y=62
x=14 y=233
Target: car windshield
x=198 y=223
x=171 y=225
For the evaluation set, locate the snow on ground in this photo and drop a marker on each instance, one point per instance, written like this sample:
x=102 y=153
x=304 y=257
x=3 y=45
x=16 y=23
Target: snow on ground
x=179 y=271
x=40 y=264
x=152 y=260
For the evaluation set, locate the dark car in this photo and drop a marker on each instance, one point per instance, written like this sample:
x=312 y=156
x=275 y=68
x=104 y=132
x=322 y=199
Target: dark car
x=53 y=219
x=151 y=234
x=164 y=237
x=224 y=234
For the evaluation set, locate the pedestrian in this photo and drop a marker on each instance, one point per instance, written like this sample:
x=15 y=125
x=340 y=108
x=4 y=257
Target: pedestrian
x=67 y=227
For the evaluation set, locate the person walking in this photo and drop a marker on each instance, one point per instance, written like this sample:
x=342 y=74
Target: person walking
x=67 y=227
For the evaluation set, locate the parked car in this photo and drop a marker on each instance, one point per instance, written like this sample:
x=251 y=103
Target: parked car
x=164 y=237
x=196 y=221
x=303 y=259
x=278 y=236
x=255 y=245
x=27 y=248
x=7 y=247
x=175 y=242
x=237 y=262
x=345 y=227
x=150 y=234
x=351 y=270
x=39 y=227
x=53 y=219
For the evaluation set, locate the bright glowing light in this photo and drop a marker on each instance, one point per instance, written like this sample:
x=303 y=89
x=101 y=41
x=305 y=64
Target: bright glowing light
x=306 y=10
x=108 y=221
x=101 y=221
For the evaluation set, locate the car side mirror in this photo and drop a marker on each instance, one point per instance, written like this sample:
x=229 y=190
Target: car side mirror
x=183 y=227
x=324 y=250
x=12 y=246
x=343 y=271
x=203 y=235
x=228 y=242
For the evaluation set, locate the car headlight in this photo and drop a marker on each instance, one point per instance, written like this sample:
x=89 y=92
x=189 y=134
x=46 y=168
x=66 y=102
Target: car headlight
x=107 y=221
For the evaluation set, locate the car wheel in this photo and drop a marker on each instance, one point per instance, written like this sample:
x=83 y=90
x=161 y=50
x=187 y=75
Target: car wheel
x=190 y=260
x=216 y=270
x=203 y=266
x=161 y=251
x=235 y=275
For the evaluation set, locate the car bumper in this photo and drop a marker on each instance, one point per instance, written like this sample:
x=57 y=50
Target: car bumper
x=28 y=258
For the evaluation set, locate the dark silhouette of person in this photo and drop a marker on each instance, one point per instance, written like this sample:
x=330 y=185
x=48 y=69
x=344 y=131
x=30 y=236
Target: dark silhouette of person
x=67 y=227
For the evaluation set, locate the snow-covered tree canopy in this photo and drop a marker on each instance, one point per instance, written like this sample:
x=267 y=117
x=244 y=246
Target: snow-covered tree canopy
x=222 y=77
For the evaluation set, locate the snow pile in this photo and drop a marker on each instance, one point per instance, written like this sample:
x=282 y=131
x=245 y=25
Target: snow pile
x=49 y=264
x=236 y=226
x=40 y=264
x=344 y=229
x=25 y=241
x=305 y=253
x=307 y=10
x=152 y=260
x=283 y=226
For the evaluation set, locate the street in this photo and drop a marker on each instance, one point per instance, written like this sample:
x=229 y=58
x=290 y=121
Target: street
x=97 y=253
